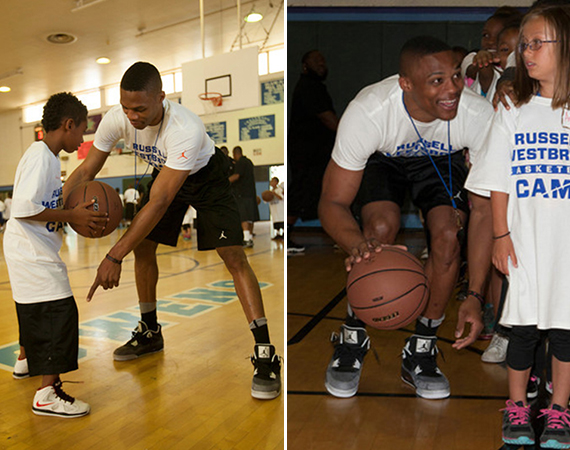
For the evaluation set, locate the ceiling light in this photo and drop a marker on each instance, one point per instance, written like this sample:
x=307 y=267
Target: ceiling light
x=253 y=16
x=61 y=38
x=5 y=89
x=103 y=60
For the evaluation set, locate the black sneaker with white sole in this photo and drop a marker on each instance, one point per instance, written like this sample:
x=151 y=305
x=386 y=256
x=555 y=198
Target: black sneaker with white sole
x=143 y=342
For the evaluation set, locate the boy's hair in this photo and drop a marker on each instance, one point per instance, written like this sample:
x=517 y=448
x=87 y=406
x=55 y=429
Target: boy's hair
x=557 y=19
x=418 y=47
x=60 y=107
x=142 y=76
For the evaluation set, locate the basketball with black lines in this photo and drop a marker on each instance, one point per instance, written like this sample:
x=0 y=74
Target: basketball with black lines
x=389 y=290
x=106 y=200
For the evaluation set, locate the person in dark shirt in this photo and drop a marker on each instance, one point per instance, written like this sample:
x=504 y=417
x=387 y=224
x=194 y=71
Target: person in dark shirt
x=312 y=131
x=243 y=184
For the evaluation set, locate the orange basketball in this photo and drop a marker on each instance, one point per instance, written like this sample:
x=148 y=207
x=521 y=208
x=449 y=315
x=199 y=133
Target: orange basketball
x=267 y=196
x=106 y=200
x=388 y=291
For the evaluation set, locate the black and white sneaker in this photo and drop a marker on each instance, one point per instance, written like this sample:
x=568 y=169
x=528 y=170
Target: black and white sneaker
x=53 y=401
x=345 y=367
x=419 y=368
x=293 y=247
x=143 y=342
x=266 y=383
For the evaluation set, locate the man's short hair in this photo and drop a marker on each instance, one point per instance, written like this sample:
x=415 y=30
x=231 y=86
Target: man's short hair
x=307 y=55
x=142 y=76
x=419 y=47
x=61 y=107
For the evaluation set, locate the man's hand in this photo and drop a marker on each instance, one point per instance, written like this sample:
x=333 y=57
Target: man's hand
x=469 y=313
x=364 y=250
x=504 y=89
x=108 y=275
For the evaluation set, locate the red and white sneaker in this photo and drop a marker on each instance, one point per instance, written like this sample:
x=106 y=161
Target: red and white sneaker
x=21 y=369
x=52 y=401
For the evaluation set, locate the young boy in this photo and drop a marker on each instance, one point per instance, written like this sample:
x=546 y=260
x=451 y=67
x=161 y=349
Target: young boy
x=47 y=313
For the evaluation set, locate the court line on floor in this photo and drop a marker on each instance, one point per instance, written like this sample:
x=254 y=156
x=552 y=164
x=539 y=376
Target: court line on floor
x=401 y=395
x=299 y=336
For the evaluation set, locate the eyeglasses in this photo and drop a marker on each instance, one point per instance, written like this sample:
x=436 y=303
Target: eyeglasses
x=534 y=45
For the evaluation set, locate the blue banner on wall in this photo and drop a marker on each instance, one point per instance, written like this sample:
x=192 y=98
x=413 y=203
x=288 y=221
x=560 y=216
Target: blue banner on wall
x=217 y=131
x=260 y=127
x=272 y=92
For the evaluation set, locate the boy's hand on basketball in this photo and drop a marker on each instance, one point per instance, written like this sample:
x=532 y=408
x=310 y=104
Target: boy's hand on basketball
x=95 y=220
x=503 y=91
x=503 y=249
x=364 y=250
x=108 y=276
x=469 y=313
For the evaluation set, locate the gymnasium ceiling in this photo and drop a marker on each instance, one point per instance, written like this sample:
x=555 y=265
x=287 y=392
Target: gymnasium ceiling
x=164 y=32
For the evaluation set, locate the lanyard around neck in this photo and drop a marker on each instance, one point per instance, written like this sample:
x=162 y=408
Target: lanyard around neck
x=448 y=189
x=137 y=182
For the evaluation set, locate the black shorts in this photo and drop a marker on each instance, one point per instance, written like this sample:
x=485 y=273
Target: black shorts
x=248 y=211
x=217 y=215
x=391 y=179
x=49 y=332
x=130 y=211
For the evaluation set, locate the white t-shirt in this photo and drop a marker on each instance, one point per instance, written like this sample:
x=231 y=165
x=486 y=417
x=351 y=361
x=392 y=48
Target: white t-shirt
x=527 y=155
x=476 y=86
x=31 y=247
x=131 y=195
x=376 y=121
x=179 y=142
x=277 y=205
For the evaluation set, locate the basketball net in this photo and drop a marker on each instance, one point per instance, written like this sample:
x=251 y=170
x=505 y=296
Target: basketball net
x=211 y=101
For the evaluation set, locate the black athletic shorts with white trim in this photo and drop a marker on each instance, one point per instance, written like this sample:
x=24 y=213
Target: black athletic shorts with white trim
x=391 y=178
x=49 y=332
x=217 y=215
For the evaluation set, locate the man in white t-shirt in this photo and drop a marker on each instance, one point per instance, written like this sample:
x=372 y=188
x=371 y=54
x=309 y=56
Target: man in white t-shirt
x=401 y=135
x=188 y=170
x=131 y=199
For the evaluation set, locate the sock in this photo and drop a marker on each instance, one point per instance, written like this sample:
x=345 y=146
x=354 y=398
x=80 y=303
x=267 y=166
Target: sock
x=353 y=321
x=246 y=235
x=260 y=330
x=148 y=315
x=427 y=327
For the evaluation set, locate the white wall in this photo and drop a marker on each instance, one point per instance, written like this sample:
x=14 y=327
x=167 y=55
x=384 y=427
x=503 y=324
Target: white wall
x=260 y=151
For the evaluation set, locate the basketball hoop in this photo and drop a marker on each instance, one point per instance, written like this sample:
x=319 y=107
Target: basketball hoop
x=211 y=101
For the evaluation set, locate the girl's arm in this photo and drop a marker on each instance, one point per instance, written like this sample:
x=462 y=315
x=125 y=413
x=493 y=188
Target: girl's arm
x=503 y=248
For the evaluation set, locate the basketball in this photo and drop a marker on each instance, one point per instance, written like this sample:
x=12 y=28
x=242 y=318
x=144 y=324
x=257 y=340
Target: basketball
x=267 y=196
x=388 y=291
x=106 y=200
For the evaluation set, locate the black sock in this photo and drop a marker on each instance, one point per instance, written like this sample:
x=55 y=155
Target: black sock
x=150 y=319
x=425 y=330
x=353 y=321
x=261 y=334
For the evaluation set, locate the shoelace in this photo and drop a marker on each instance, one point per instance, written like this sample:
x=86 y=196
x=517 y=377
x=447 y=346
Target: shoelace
x=61 y=393
x=518 y=415
x=556 y=419
x=348 y=353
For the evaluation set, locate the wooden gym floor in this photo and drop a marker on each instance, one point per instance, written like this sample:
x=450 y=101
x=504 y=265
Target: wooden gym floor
x=194 y=395
x=385 y=414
